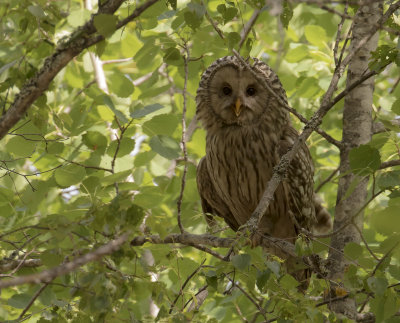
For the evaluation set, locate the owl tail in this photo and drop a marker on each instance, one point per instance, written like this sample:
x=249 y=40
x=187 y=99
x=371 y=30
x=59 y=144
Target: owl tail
x=324 y=219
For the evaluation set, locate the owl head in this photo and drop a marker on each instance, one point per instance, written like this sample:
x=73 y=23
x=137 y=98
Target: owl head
x=230 y=94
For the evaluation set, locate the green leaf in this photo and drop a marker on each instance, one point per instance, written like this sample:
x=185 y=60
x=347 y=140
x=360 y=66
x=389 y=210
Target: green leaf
x=126 y=145
x=105 y=24
x=163 y=124
x=78 y=17
x=377 y=285
x=288 y=282
x=262 y=278
x=192 y=20
x=389 y=180
x=286 y=14
x=297 y=54
x=233 y=39
x=394 y=271
x=364 y=159
x=37 y=11
x=386 y=221
x=396 y=107
x=241 y=261
x=7 y=66
x=20 y=147
x=69 y=175
x=115 y=178
x=385 y=306
x=172 y=56
x=135 y=215
x=51 y=258
x=94 y=140
x=212 y=279
x=165 y=146
x=136 y=114
x=144 y=158
x=228 y=13
x=353 y=250
x=315 y=35
x=107 y=101
x=120 y=85
x=274 y=266
x=55 y=147
x=19 y=300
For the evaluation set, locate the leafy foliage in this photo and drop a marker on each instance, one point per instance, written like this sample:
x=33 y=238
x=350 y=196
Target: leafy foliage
x=85 y=165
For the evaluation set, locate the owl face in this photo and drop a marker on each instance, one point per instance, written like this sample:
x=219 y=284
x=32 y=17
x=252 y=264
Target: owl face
x=235 y=96
x=231 y=95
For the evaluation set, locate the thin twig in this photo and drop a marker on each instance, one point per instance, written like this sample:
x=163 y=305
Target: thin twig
x=247 y=28
x=346 y=223
x=184 y=285
x=251 y=299
x=85 y=166
x=326 y=180
x=338 y=36
x=183 y=140
x=214 y=24
x=34 y=297
x=365 y=242
x=383 y=258
x=390 y=163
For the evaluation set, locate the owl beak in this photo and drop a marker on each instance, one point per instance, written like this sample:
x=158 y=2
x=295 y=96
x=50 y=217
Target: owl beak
x=238 y=107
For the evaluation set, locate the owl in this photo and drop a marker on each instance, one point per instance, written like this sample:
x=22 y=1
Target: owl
x=248 y=131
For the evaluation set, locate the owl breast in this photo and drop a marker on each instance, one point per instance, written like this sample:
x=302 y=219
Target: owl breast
x=240 y=161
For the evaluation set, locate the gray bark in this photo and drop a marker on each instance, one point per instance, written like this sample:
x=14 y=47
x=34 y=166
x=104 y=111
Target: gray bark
x=357 y=129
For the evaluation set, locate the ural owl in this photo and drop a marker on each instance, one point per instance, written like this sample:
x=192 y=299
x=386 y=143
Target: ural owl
x=247 y=133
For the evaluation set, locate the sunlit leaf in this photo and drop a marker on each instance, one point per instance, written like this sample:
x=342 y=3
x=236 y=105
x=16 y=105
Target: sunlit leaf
x=165 y=146
x=241 y=261
x=69 y=175
x=353 y=250
x=364 y=159
x=105 y=24
x=146 y=110
x=315 y=35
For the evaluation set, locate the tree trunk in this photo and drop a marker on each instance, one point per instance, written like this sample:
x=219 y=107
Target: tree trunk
x=357 y=129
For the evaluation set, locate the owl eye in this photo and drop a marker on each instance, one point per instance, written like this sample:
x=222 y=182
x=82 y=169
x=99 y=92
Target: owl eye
x=250 y=91
x=226 y=90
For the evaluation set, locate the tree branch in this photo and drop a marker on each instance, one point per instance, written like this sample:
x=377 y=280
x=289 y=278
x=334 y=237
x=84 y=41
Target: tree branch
x=247 y=28
x=65 y=52
x=47 y=276
x=183 y=139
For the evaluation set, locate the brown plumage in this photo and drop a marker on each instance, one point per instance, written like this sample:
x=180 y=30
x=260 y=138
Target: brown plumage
x=247 y=133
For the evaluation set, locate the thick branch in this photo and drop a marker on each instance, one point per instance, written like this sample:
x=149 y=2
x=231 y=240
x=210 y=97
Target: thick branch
x=357 y=125
x=65 y=52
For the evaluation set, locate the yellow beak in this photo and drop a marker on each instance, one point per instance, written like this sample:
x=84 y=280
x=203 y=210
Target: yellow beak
x=238 y=107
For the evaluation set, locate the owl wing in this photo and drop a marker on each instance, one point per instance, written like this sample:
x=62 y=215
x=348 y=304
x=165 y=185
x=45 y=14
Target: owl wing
x=299 y=180
x=210 y=201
